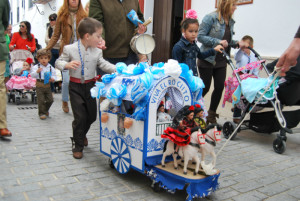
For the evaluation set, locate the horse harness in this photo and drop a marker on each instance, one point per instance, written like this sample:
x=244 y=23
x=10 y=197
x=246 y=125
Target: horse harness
x=213 y=143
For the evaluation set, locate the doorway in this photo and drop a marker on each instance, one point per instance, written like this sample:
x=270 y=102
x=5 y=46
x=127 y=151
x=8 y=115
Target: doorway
x=168 y=15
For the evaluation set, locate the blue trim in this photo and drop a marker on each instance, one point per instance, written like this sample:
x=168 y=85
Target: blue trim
x=146 y=126
x=100 y=129
x=115 y=113
x=197 y=188
x=160 y=80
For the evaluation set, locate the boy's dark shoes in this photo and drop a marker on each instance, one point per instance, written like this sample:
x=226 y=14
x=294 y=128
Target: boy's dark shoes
x=85 y=142
x=4 y=132
x=77 y=155
x=43 y=117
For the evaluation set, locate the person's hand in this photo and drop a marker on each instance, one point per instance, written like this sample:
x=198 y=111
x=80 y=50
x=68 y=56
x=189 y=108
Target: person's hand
x=224 y=43
x=12 y=47
x=243 y=44
x=141 y=29
x=39 y=70
x=101 y=45
x=52 y=80
x=289 y=57
x=218 y=48
x=72 y=65
x=142 y=58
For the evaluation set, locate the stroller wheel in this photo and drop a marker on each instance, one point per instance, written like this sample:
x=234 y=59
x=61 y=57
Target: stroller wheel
x=228 y=128
x=279 y=146
x=18 y=100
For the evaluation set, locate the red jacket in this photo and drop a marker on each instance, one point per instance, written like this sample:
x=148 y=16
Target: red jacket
x=21 y=43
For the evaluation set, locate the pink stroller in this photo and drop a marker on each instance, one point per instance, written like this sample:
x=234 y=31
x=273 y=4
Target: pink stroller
x=19 y=86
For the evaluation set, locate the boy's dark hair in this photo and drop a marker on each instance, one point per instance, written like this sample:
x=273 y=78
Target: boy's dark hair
x=247 y=37
x=43 y=52
x=187 y=21
x=88 y=25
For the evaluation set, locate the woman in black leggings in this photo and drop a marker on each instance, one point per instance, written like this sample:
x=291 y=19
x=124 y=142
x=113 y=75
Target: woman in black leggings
x=216 y=28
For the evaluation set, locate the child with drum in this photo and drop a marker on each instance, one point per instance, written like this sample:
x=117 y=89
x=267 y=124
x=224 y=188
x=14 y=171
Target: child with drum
x=186 y=49
x=81 y=59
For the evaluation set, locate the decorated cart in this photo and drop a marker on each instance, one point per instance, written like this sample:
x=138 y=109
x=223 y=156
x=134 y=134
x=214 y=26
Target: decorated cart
x=129 y=132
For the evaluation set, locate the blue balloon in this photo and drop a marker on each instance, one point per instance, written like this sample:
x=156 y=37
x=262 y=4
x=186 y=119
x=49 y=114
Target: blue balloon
x=120 y=66
x=107 y=78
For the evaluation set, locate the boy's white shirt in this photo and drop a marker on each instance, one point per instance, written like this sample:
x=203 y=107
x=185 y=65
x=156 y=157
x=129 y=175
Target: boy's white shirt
x=36 y=75
x=92 y=58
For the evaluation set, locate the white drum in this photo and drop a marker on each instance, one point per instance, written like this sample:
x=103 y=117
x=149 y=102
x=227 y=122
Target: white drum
x=142 y=44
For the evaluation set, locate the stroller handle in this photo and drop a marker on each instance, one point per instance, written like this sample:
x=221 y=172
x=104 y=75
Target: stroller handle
x=236 y=45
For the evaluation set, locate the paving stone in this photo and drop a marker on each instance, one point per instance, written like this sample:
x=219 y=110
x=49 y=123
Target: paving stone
x=273 y=189
x=13 y=197
x=250 y=196
x=39 y=165
x=283 y=196
x=20 y=188
x=294 y=192
x=41 y=193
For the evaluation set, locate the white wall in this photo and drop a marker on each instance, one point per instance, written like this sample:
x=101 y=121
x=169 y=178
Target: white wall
x=272 y=23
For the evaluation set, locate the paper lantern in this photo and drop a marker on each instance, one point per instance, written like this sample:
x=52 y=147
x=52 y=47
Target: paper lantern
x=104 y=117
x=128 y=123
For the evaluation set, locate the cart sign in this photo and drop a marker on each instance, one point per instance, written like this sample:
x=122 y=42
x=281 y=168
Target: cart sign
x=171 y=82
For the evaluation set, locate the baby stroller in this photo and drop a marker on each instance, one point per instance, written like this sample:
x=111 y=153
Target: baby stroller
x=16 y=89
x=263 y=122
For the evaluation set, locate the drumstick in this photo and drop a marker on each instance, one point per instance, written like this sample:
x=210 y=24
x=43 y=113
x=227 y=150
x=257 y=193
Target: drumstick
x=146 y=23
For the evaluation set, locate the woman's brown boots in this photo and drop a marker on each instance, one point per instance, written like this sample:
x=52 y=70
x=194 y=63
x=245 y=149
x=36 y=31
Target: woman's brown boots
x=211 y=118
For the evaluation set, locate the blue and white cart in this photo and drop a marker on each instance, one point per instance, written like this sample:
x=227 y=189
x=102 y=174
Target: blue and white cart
x=141 y=147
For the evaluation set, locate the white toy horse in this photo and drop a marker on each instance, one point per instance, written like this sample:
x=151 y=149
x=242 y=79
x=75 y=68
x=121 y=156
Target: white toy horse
x=212 y=137
x=203 y=143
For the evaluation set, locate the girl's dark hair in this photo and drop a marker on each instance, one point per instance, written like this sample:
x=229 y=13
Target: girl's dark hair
x=53 y=16
x=88 y=25
x=28 y=27
x=187 y=21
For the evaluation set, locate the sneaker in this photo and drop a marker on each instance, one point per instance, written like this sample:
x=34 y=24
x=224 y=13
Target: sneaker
x=43 y=117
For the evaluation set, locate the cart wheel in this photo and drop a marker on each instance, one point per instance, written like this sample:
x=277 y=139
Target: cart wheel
x=18 y=100
x=120 y=155
x=279 y=146
x=228 y=128
x=111 y=165
x=156 y=188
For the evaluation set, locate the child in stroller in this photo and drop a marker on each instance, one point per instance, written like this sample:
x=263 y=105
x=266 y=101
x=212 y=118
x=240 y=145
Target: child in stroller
x=271 y=91
x=21 y=82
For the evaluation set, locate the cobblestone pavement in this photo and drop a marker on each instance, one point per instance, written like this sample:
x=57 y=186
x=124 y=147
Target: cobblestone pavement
x=37 y=164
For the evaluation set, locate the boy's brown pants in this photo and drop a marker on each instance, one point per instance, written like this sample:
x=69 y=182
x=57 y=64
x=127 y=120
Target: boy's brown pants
x=84 y=110
x=44 y=97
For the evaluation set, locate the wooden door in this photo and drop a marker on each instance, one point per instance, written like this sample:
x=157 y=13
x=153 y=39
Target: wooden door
x=167 y=16
x=162 y=16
